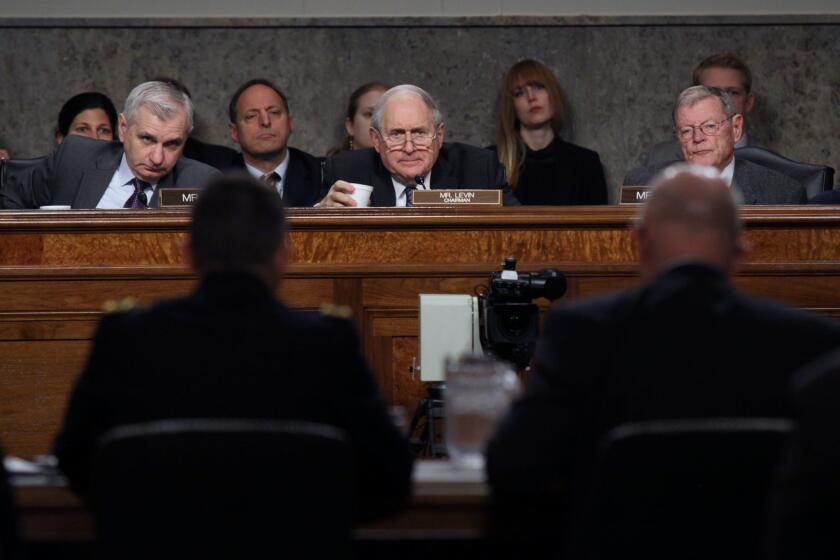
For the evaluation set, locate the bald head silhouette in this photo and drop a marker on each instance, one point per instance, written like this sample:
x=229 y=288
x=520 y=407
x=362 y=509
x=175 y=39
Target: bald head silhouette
x=691 y=215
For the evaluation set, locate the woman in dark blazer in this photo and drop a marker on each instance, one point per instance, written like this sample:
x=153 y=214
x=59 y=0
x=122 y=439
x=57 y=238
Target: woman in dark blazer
x=541 y=167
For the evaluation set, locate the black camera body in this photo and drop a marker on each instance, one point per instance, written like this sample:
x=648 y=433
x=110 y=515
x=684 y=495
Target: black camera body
x=509 y=320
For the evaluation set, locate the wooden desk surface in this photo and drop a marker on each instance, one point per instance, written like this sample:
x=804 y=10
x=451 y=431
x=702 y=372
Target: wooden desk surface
x=451 y=507
x=57 y=269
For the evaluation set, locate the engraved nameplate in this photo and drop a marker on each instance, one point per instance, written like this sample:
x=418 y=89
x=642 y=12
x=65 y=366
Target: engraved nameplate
x=634 y=195
x=174 y=198
x=456 y=197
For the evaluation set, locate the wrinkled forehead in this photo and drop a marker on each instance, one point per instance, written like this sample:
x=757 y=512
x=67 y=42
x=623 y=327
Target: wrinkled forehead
x=406 y=111
x=707 y=109
x=171 y=126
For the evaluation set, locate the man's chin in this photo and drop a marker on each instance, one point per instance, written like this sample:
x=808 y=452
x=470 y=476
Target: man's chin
x=151 y=177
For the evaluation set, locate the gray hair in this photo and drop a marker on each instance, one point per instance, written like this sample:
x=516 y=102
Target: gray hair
x=162 y=99
x=695 y=94
x=376 y=117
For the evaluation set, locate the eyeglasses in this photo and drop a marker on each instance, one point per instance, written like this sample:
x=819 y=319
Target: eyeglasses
x=711 y=128
x=396 y=139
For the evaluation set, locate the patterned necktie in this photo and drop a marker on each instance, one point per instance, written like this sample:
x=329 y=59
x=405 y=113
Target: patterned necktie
x=409 y=191
x=271 y=180
x=138 y=198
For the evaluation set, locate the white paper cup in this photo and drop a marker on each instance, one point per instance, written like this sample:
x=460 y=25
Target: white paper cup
x=361 y=194
x=55 y=207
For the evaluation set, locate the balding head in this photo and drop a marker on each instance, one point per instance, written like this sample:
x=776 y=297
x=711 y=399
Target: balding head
x=690 y=215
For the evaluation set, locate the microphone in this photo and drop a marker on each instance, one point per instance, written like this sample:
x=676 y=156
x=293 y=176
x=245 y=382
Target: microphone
x=420 y=181
x=142 y=198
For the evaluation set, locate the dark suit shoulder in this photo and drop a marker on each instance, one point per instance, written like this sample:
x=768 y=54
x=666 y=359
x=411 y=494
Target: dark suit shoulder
x=457 y=152
x=191 y=173
x=643 y=176
x=827 y=197
x=354 y=166
x=762 y=185
x=214 y=155
x=305 y=157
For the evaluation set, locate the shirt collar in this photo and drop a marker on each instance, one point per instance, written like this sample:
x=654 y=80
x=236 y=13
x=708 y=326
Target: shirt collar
x=281 y=169
x=124 y=174
x=399 y=188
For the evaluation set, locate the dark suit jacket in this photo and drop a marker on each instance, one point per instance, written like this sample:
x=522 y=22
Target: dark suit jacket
x=458 y=166
x=827 y=197
x=220 y=157
x=78 y=172
x=686 y=345
x=302 y=185
x=231 y=350
x=755 y=184
x=805 y=510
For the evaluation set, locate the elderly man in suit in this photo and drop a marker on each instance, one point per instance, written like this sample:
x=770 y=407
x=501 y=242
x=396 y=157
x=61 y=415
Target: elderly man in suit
x=725 y=71
x=85 y=173
x=260 y=122
x=708 y=127
x=407 y=131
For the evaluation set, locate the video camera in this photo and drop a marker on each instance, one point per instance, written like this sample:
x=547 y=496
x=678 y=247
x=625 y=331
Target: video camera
x=509 y=320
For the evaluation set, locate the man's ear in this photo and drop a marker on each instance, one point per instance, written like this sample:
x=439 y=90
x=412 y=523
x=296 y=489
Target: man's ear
x=122 y=127
x=376 y=140
x=750 y=103
x=441 y=133
x=737 y=126
x=234 y=133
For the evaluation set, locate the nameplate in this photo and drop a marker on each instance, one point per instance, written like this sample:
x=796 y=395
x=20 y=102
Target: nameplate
x=456 y=197
x=634 y=195
x=174 y=198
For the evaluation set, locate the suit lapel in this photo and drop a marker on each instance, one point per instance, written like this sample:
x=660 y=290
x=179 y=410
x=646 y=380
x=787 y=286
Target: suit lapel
x=741 y=182
x=294 y=183
x=442 y=176
x=95 y=181
x=383 y=187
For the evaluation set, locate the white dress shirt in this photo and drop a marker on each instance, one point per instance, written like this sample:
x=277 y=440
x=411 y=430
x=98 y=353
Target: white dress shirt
x=121 y=188
x=400 y=189
x=280 y=170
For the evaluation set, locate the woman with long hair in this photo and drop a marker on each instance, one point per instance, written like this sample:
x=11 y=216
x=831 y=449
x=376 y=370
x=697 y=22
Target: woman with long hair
x=541 y=167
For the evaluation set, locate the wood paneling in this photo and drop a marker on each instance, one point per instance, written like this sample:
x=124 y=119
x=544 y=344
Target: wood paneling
x=58 y=268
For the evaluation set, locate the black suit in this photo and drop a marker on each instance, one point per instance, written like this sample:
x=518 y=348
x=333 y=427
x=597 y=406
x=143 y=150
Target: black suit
x=806 y=505
x=220 y=157
x=79 y=171
x=231 y=350
x=686 y=345
x=755 y=183
x=457 y=166
x=302 y=184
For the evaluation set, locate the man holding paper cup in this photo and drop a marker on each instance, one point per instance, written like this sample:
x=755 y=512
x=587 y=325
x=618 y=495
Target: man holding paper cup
x=407 y=131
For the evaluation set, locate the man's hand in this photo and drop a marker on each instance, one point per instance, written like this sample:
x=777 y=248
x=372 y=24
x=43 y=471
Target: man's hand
x=4 y=154
x=338 y=196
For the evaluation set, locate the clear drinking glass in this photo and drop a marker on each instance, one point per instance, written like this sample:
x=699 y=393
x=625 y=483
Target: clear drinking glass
x=479 y=390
